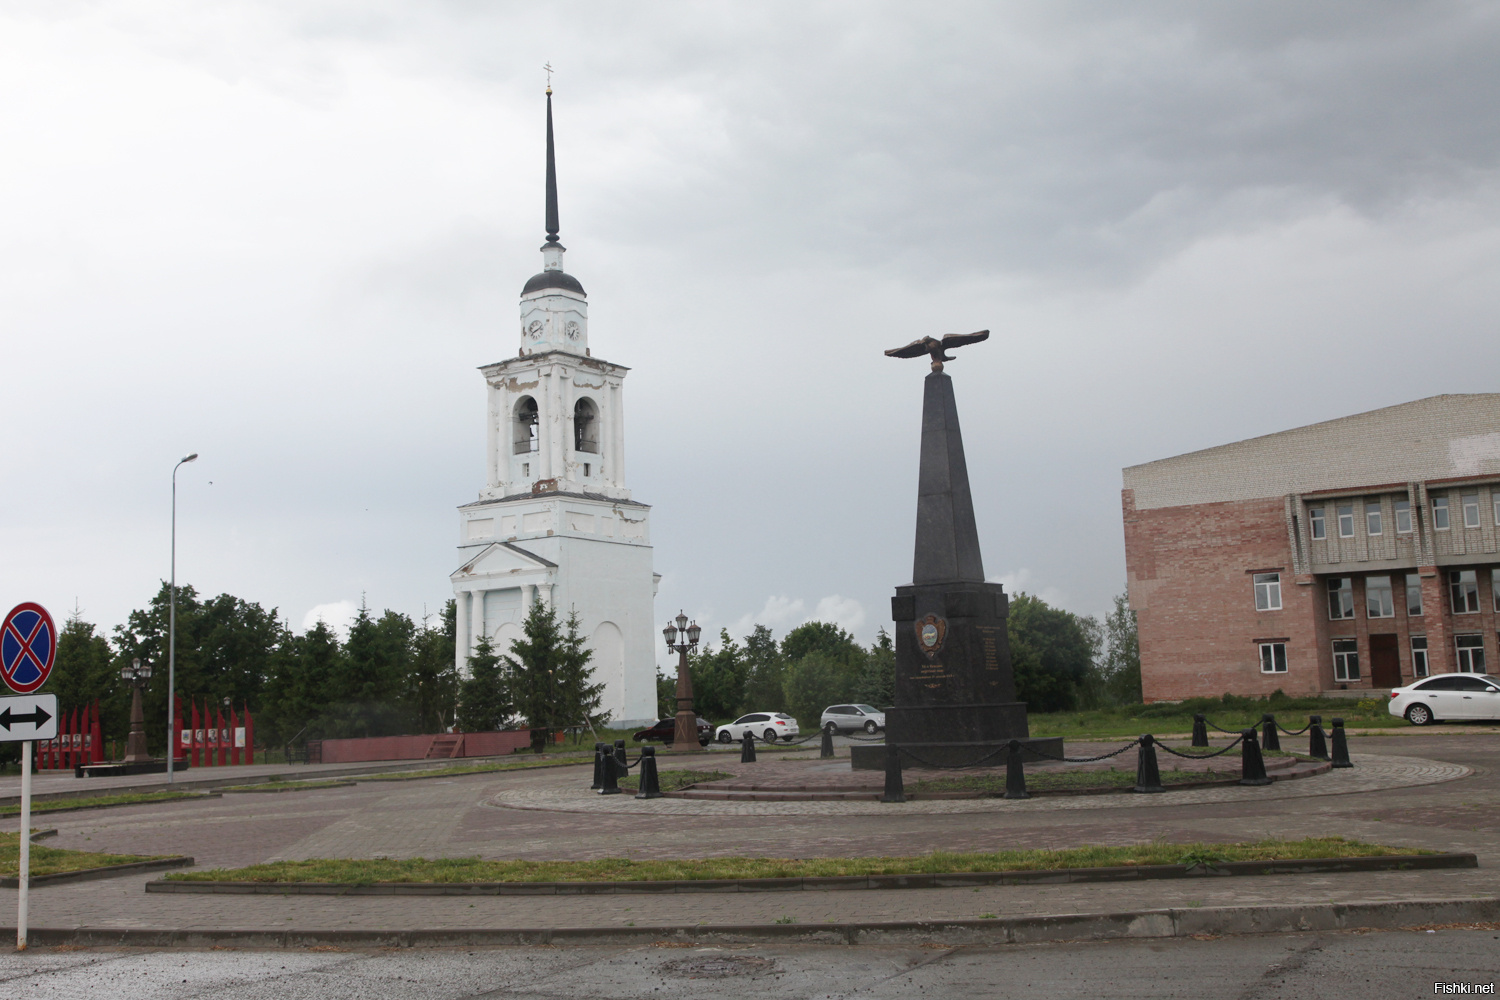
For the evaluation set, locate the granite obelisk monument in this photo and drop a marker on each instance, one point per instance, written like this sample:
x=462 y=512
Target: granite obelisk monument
x=955 y=694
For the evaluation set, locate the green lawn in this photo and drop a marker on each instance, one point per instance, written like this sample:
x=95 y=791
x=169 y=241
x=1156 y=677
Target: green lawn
x=52 y=860
x=629 y=870
x=99 y=801
x=1228 y=713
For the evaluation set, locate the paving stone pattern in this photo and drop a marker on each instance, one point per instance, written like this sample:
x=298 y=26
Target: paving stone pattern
x=1398 y=799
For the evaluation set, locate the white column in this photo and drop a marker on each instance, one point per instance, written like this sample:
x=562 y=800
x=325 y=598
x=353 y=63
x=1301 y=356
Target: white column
x=476 y=618
x=492 y=464
x=617 y=433
x=544 y=428
x=461 y=623
x=560 y=418
x=528 y=592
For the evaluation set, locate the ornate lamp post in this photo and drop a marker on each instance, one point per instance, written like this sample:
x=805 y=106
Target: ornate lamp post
x=137 y=675
x=685 y=735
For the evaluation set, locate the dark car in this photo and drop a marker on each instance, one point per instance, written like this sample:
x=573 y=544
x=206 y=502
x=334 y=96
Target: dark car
x=666 y=729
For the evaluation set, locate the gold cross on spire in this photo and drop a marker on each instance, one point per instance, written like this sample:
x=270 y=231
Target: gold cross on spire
x=548 y=68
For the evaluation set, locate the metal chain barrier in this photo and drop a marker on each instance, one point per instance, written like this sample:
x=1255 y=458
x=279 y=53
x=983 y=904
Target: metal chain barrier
x=1287 y=732
x=1084 y=760
x=1226 y=732
x=954 y=767
x=1201 y=756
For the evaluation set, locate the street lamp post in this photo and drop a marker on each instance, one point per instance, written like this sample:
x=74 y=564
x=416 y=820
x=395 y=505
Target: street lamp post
x=172 y=631
x=685 y=734
x=137 y=675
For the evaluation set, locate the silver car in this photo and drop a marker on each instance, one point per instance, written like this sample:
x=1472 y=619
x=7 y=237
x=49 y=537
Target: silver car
x=845 y=718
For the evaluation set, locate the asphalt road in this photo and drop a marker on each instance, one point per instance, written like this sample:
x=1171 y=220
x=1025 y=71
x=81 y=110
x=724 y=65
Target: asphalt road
x=1376 y=966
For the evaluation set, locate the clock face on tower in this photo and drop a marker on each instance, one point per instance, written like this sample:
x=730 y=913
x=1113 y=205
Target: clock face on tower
x=535 y=329
x=571 y=329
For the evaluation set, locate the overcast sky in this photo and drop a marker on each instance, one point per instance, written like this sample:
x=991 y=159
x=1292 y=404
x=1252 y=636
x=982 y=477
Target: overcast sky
x=285 y=235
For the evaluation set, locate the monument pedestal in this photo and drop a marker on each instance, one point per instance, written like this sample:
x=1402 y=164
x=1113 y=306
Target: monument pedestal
x=955 y=697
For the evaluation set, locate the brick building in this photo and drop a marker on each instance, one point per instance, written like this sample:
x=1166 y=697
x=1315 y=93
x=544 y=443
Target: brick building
x=1358 y=553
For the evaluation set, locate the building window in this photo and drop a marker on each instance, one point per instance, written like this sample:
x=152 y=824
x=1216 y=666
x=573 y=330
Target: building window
x=1340 y=597
x=1372 y=517
x=1413 y=595
x=1379 y=600
x=525 y=430
x=1273 y=657
x=1320 y=529
x=1403 y=517
x=1470 y=653
x=1495 y=587
x=1471 y=510
x=585 y=427
x=1346 y=659
x=1439 y=513
x=1346 y=520
x=1463 y=586
x=1496 y=495
x=1419 y=656
x=1267 y=591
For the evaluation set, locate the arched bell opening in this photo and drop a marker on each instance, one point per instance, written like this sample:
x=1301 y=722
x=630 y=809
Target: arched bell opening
x=586 y=427
x=525 y=426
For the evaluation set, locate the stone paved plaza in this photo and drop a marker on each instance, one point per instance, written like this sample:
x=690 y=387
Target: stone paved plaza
x=1439 y=792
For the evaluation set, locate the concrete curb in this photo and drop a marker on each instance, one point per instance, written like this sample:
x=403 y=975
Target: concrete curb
x=1164 y=923
x=186 y=797
x=1123 y=873
x=107 y=871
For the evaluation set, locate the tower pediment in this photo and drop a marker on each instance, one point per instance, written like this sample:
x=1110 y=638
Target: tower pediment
x=501 y=559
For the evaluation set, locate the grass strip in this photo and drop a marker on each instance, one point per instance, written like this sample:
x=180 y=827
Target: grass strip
x=55 y=860
x=673 y=780
x=287 y=786
x=366 y=872
x=461 y=769
x=99 y=802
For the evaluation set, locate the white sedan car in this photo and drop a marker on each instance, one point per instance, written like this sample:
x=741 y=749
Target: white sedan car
x=767 y=726
x=837 y=718
x=1446 y=697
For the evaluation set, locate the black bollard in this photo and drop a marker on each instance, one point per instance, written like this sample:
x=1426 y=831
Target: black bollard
x=1270 y=739
x=1252 y=764
x=1340 y=745
x=826 y=750
x=1015 y=773
x=1317 y=746
x=1147 y=773
x=650 y=783
x=612 y=771
x=747 y=748
x=1200 y=731
x=598 y=767
x=895 y=791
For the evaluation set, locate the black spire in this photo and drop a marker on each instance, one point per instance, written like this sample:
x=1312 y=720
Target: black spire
x=947 y=538
x=551 y=179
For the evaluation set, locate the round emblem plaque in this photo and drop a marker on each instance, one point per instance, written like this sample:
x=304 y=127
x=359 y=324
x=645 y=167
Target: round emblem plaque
x=931 y=631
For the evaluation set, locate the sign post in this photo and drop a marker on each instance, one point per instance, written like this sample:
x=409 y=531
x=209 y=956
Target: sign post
x=28 y=647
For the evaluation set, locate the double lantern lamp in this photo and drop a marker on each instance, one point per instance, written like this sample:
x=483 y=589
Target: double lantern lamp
x=689 y=632
x=136 y=673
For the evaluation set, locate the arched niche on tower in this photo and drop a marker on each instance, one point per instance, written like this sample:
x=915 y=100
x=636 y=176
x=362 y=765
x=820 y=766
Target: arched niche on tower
x=525 y=431
x=586 y=426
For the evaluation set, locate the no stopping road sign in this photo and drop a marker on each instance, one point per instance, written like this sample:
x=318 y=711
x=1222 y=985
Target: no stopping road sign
x=28 y=645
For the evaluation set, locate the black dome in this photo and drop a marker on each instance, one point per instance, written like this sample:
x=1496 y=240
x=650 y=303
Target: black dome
x=553 y=279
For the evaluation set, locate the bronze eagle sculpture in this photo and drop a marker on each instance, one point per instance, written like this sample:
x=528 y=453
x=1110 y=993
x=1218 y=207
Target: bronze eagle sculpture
x=937 y=348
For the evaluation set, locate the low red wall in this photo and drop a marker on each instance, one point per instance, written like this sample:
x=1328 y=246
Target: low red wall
x=416 y=747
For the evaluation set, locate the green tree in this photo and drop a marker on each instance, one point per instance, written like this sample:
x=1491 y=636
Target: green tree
x=666 y=694
x=719 y=676
x=1121 y=662
x=764 y=668
x=433 y=684
x=484 y=697
x=1051 y=653
x=297 y=692
x=550 y=675
x=815 y=681
x=876 y=684
x=821 y=637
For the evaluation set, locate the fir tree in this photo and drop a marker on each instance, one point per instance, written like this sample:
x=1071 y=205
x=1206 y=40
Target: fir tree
x=549 y=672
x=483 y=698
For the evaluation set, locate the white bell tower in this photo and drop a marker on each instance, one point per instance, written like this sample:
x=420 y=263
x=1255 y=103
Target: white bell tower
x=554 y=521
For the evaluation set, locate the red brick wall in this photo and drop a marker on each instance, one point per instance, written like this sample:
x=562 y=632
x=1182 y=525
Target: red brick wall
x=1189 y=573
